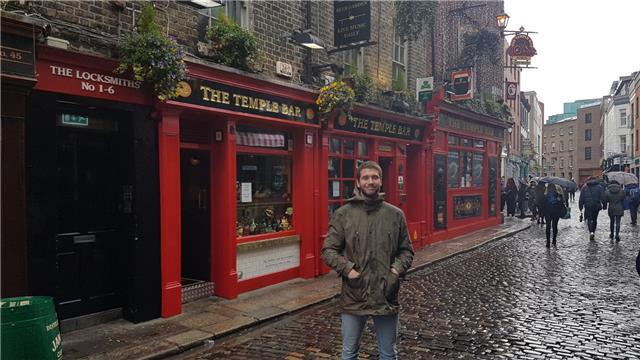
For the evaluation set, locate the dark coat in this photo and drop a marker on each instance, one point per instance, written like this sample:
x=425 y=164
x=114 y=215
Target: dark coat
x=614 y=196
x=591 y=195
x=371 y=237
x=629 y=203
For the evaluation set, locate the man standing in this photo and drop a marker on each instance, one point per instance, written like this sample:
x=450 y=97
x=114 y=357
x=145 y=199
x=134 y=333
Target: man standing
x=369 y=247
x=591 y=198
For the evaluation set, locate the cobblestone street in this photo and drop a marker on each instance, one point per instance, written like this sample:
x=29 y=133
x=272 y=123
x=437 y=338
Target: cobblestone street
x=512 y=298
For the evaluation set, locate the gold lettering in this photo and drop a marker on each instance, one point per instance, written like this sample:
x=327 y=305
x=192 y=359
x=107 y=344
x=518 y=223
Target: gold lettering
x=245 y=102
x=254 y=103
x=263 y=105
x=237 y=99
x=205 y=93
x=225 y=98
x=285 y=109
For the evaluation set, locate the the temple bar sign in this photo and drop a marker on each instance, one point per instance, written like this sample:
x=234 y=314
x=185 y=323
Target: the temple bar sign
x=351 y=22
x=372 y=126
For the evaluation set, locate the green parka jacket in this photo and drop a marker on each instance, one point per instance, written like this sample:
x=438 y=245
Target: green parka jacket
x=371 y=237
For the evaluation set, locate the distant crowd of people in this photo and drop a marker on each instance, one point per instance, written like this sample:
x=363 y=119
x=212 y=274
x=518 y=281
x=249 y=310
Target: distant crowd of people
x=549 y=202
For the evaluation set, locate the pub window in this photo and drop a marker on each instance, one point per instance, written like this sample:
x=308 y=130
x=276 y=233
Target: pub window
x=344 y=158
x=235 y=10
x=263 y=182
x=465 y=166
x=352 y=61
x=453 y=140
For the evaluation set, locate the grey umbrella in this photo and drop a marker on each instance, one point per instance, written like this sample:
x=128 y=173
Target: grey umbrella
x=565 y=183
x=622 y=177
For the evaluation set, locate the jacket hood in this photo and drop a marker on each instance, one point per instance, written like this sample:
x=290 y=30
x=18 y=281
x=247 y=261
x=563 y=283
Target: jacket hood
x=614 y=188
x=593 y=183
x=369 y=203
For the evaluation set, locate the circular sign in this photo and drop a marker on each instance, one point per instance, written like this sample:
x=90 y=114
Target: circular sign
x=183 y=89
x=512 y=88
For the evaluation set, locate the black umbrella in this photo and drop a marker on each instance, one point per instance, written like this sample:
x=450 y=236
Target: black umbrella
x=565 y=183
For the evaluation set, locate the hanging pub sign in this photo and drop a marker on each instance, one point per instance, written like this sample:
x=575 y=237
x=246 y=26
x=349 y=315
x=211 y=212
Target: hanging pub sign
x=462 y=85
x=351 y=22
x=511 y=89
x=521 y=50
x=371 y=126
x=222 y=96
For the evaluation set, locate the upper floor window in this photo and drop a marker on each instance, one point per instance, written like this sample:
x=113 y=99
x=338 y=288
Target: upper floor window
x=553 y=132
x=561 y=145
x=553 y=147
x=352 y=61
x=587 y=134
x=570 y=144
x=561 y=131
x=570 y=129
x=235 y=10
x=587 y=118
x=399 y=63
x=623 y=117
x=587 y=152
x=623 y=143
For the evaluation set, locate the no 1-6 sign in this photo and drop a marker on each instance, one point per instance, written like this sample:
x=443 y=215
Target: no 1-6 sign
x=424 y=89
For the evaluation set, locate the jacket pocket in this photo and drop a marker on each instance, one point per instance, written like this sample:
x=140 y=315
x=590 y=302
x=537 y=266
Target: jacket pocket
x=392 y=287
x=354 y=289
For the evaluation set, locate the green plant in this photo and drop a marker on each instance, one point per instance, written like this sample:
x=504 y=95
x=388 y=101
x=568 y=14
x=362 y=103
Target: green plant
x=399 y=83
x=363 y=87
x=412 y=16
x=232 y=45
x=488 y=107
x=152 y=57
x=482 y=43
x=336 y=95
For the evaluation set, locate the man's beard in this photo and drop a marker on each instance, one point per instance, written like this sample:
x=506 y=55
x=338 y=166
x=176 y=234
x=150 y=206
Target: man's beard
x=372 y=195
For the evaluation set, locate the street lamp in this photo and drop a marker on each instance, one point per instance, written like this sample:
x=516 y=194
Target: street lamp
x=503 y=21
x=306 y=39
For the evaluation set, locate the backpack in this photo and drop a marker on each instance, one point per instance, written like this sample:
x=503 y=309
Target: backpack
x=552 y=198
x=634 y=194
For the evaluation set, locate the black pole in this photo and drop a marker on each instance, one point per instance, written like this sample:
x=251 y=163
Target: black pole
x=308 y=73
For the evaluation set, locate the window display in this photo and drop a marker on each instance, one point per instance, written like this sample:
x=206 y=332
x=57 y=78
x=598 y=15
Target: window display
x=263 y=194
x=343 y=162
x=464 y=166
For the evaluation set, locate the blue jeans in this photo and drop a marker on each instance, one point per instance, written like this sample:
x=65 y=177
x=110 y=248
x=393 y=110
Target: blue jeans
x=386 y=332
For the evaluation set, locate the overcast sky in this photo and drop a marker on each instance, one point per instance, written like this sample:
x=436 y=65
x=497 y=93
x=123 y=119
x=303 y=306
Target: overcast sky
x=583 y=46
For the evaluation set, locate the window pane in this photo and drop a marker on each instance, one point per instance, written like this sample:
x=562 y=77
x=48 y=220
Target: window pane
x=348 y=168
x=334 y=167
x=465 y=173
x=332 y=208
x=453 y=140
x=453 y=171
x=348 y=147
x=347 y=189
x=334 y=145
x=479 y=144
x=467 y=142
x=362 y=148
x=334 y=189
x=477 y=169
x=264 y=194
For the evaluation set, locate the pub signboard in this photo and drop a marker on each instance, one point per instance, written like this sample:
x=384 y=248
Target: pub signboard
x=351 y=22
x=380 y=127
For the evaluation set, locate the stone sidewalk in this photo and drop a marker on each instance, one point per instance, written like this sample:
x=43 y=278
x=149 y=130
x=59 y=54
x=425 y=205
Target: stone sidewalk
x=213 y=318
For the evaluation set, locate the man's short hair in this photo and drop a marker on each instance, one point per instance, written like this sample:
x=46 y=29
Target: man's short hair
x=369 y=165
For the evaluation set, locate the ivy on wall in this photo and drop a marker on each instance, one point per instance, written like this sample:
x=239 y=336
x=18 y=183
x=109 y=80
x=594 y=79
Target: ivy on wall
x=413 y=16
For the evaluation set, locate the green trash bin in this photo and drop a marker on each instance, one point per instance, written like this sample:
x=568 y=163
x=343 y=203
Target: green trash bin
x=29 y=329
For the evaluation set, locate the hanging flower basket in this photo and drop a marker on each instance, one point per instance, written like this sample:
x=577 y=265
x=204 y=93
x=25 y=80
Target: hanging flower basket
x=152 y=57
x=335 y=96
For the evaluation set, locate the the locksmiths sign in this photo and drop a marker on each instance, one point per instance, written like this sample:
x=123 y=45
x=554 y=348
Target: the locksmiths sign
x=222 y=96
x=378 y=127
x=351 y=22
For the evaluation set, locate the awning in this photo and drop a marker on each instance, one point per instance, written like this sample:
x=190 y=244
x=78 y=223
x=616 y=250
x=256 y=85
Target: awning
x=260 y=139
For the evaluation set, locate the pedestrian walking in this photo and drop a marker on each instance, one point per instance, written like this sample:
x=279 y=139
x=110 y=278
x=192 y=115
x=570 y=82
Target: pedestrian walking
x=632 y=201
x=613 y=198
x=369 y=247
x=572 y=192
x=531 y=195
x=541 y=201
x=522 y=199
x=591 y=198
x=555 y=209
x=512 y=196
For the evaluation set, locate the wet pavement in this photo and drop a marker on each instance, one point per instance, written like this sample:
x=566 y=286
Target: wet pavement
x=510 y=299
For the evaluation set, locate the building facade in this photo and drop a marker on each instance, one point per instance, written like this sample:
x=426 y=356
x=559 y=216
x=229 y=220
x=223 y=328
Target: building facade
x=617 y=126
x=536 y=119
x=587 y=161
x=559 y=148
x=129 y=206
x=634 y=100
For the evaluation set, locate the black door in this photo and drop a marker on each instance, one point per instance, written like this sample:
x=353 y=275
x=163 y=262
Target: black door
x=195 y=216
x=91 y=200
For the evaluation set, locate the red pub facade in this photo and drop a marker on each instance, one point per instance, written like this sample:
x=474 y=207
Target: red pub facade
x=247 y=172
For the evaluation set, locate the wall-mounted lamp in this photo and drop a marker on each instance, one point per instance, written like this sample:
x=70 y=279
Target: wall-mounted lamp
x=307 y=39
x=205 y=4
x=503 y=21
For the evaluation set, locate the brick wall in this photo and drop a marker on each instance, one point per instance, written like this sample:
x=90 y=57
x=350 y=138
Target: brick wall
x=95 y=26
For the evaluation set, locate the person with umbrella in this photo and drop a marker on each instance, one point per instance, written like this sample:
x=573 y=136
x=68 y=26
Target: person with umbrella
x=554 y=209
x=591 y=200
x=614 y=196
x=632 y=201
x=540 y=201
x=531 y=194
